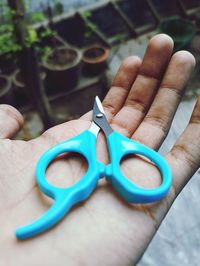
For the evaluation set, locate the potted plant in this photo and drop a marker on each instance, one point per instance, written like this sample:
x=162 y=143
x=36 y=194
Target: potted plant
x=95 y=59
x=62 y=66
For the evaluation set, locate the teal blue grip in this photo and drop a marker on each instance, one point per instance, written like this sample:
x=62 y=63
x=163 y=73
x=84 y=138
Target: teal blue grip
x=65 y=198
x=120 y=146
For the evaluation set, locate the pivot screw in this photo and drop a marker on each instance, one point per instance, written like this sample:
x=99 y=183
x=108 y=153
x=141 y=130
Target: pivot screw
x=99 y=115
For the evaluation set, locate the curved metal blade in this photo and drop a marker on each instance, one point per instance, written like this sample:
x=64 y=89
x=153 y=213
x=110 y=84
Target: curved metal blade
x=99 y=117
x=98 y=106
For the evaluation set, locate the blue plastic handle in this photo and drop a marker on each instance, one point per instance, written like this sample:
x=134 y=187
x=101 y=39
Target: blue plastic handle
x=65 y=198
x=120 y=146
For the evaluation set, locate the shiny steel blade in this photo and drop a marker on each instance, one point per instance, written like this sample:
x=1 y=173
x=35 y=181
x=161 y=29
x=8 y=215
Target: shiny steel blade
x=98 y=107
x=99 y=104
x=99 y=117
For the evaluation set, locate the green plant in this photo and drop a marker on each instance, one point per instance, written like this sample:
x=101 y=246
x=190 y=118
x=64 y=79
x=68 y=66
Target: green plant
x=47 y=32
x=118 y=38
x=33 y=17
x=6 y=12
x=90 y=26
x=36 y=17
x=44 y=52
x=87 y=14
x=8 y=42
x=58 y=7
x=34 y=38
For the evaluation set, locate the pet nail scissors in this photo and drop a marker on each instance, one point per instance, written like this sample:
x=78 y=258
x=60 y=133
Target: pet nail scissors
x=85 y=144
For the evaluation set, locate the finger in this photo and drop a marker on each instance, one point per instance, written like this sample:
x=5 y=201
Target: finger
x=11 y=121
x=155 y=126
x=141 y=95
x=122 y=83
x=184 y=158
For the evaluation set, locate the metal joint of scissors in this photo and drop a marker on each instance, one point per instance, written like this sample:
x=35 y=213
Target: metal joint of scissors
x=85 y=144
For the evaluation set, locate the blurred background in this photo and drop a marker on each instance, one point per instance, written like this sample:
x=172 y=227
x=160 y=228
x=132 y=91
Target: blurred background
x=55 y=56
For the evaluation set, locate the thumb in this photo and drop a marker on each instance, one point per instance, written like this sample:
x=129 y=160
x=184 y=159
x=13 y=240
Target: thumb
x=11 y=121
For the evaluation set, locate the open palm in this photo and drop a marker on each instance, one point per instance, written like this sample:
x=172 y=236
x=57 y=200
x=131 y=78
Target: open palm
x=104 y=230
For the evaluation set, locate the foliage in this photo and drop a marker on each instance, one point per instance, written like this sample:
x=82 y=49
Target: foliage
x=90 y=26
x=118 y=38
x=6 y=12
x=36 y=17
x=58 y=7
x=8 y=41
x=47 y=32
x=44 y=52
x=32 y=37
x=87 y=14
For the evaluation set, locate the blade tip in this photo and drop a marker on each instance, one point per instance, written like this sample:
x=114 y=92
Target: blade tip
x=99 y=104
x=97 y=98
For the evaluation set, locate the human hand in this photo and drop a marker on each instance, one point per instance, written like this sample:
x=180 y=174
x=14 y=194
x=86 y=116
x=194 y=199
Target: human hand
x=104 y=230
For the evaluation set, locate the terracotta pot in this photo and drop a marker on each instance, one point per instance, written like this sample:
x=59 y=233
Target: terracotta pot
x=63 y=68
x=6 y=92
x=95 y=58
